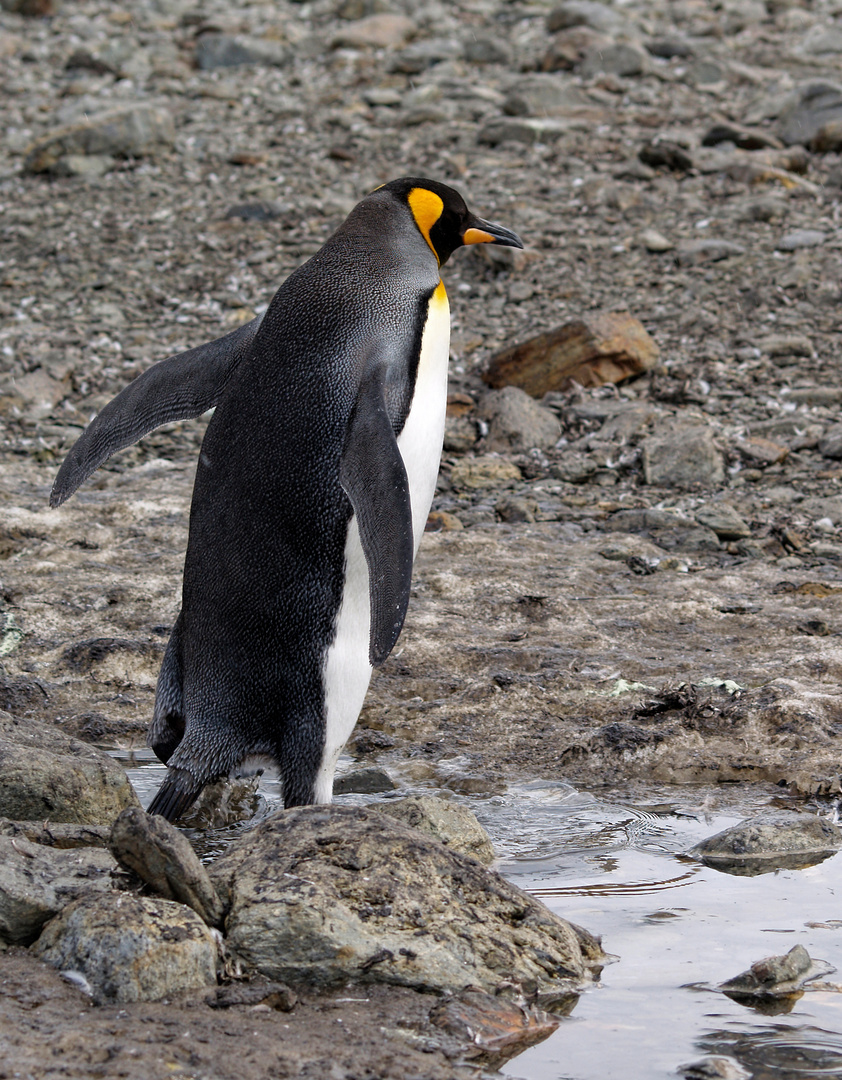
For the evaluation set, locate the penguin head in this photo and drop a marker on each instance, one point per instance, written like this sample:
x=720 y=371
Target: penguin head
x=443 y=218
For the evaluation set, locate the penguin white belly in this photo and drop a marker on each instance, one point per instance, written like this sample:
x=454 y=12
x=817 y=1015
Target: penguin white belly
x=347 y=671
x=420 y=442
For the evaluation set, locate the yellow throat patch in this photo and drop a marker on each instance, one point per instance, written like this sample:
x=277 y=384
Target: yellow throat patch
x=426 y=208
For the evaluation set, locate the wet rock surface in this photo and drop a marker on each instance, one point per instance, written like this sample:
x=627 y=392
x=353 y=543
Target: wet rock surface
x=328 y=895
x=771 y=840
x=47 y=775
x=777 y=976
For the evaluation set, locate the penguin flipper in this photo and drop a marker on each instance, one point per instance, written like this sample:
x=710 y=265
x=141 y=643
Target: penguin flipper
x=373 y=476
x=181 y=387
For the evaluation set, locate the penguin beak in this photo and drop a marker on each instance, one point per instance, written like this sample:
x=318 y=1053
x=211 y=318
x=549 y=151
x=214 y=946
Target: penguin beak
x=489 y=232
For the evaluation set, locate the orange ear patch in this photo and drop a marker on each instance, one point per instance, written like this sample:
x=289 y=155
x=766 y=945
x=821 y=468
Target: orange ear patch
x=426 y=208
x=477 y=236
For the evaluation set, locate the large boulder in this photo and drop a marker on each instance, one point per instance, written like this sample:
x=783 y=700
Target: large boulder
x=328 y=894
x=37 y=882
x=130 y=948
x=47 y=775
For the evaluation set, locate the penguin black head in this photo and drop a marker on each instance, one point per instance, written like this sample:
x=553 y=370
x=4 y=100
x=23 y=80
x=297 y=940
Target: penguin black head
x=443 y=218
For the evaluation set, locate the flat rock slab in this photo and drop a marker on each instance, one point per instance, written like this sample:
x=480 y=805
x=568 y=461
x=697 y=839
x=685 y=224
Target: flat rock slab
x=328 y=894
x=46 y=775
x=599 y=347
x=130 y=948
x=773 y=839
x=38 y=882
x=139 y=131
x=162 y=856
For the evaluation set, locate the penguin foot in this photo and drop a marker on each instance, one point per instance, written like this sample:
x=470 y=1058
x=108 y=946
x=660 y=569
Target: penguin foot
x=175 y=796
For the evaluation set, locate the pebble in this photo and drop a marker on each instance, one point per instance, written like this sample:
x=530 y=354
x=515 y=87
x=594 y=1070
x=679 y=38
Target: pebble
x=724 y=520
x=624 y=59
x=786 y=345
x=811 y=116
x=586 y=13
x=652 y=240
x=223 y=51
x=801 y=238
x=545 y=95
x=694 y=252
x=516 y=422
x=384 y=30
x=686 y=459
x=761 y=452
x=830 y=445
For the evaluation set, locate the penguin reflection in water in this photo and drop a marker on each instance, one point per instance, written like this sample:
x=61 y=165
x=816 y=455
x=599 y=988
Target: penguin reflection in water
x=313 y=486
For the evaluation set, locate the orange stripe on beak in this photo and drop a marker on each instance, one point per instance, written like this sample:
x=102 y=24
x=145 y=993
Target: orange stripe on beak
x=477 y=236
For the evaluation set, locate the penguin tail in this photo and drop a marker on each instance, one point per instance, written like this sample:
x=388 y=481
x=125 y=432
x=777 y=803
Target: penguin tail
x=175 y=796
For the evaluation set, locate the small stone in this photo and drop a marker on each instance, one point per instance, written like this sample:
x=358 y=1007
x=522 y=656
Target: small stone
x=484 y=49
x=666 y=154
x=652 y=240
x=816 y=395
x=223 y=50
x=761 y=452
x=811 y=116
x=516 y=422
x=714 y=1067
x=777 y=975
x=801 y=238
x=830 y=445
x=685 y=459
x=130 y=948
x=525 y=129
x=621 y=58
x=460 y=434
x=453 y=824
x=586 y=13
x=254 y=211
x=707 y=73
x=84 y=165
x=822 y=40
x=424 y=54
x=162 y=857
x=442 y=521
x=743 y=137
x=694 y=252
x=514 y=508
x=545 y=95
x=483 y=472
x=574 y=467
x=786 y=345
x=724 y=520
x=771 y=839
x=138 y=131
x=599 y=347
x=369 y=781
x=569 y=48
x=48 y=776
x=380 y=31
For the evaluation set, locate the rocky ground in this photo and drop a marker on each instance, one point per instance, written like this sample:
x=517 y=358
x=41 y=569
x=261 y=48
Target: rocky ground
x=637 y=582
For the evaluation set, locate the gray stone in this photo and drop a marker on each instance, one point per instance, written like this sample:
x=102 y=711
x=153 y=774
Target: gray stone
x=652 y=240
x=714 y=1067
x=812 y=116
x=516 y=422
x=693 y=252
x=421 y=55
x=686 y=458
x=368 y=781
x=801 y=238
x=574 y=467
x=545 y=95
x=384 y=30
x=822 y=40
x=130 y=948
x=484 y=49
x=162 y=857
x=830 y=445
x=460 y=434
x=84 y=165
x=454 y=825
x=786 y=345
x=622 y=58
x=772 y=839
x=568 y=48
x=37 y=882
x=64 y=835
x=329 y=895
x=514 y=508
x=223 y=50
x=137 y=131
x=777 y=976
x=586 y=13
x=524 y=129
x=47 y=775
x=724 y=520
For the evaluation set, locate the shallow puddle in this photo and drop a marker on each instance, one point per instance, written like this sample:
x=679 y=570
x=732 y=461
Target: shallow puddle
x=618 y=868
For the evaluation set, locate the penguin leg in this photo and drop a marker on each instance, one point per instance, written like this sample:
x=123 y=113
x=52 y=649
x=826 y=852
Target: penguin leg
x=167 y=728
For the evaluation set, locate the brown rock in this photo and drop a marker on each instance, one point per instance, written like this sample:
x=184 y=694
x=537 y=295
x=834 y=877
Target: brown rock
x=600 y=347
x=383 y=31
x=496 y=1027
x=442 y=521
x=762 y=452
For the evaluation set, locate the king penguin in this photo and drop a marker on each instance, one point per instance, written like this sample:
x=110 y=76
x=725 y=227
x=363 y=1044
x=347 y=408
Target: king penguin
x=314 y=481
